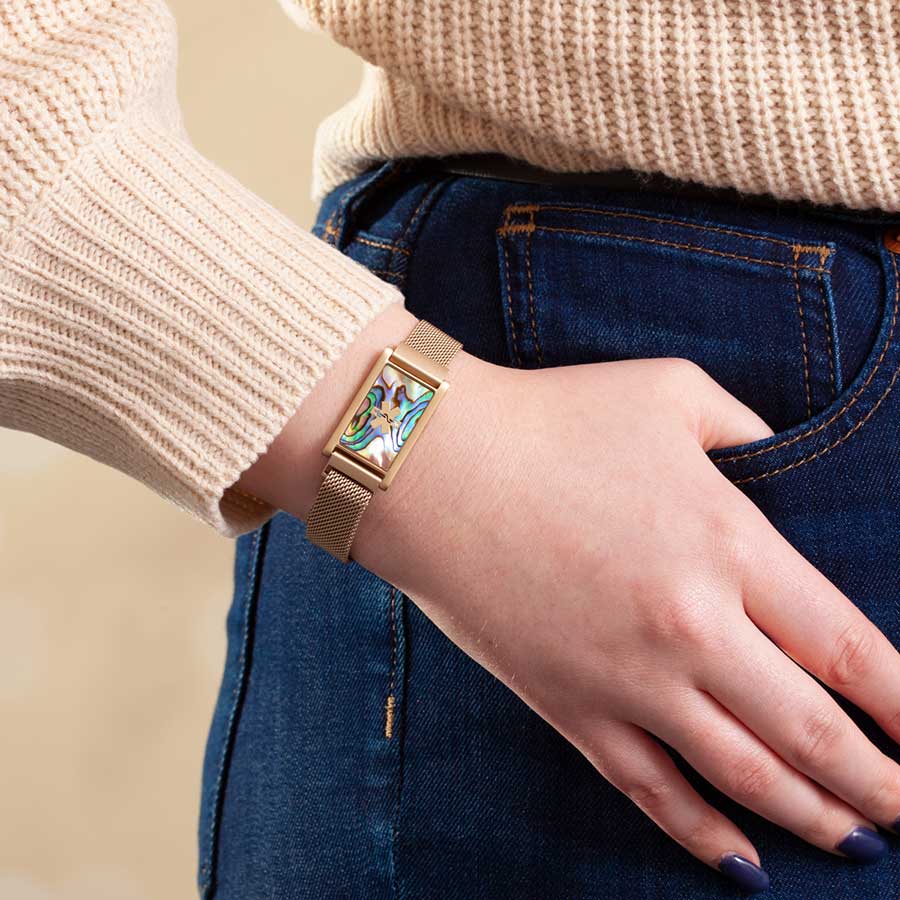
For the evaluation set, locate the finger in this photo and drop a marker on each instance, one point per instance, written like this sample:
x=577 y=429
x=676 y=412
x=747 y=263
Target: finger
x=637 y=765
x=813 y=622
x=721 y=419
x=738 y=763
x=800 y=721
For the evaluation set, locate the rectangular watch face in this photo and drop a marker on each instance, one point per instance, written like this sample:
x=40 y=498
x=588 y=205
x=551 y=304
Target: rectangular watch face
x=386 y=417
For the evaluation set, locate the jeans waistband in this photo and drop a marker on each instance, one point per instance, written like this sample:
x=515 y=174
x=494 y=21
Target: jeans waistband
x=497 y=166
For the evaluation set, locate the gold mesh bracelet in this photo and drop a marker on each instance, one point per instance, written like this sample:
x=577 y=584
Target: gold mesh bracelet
x=342 y=498
x=432 y=342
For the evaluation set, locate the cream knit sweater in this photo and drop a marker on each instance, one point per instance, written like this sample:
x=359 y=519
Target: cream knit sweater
x=159 y=317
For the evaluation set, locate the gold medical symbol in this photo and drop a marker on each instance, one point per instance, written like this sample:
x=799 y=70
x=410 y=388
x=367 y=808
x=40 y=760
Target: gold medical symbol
x=385 y=416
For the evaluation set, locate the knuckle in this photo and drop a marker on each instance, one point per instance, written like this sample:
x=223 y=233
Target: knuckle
x=679 y=617
x=683 y=371
x=752 y=779
x=854 y=656
x=652 y=795
x=680 y=380
x=819 y=739
x=883 y=799
x=734 y=546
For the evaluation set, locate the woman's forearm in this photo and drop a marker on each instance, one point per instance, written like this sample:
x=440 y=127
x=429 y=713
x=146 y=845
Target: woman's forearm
x=154 y=313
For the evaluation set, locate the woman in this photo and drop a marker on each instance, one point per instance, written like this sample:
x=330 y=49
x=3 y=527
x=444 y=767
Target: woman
x=656 y=504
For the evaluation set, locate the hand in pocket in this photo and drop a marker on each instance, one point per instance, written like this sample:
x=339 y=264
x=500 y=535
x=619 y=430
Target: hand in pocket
x=566 y=528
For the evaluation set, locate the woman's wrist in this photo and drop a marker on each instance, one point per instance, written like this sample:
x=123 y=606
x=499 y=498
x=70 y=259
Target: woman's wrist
x=287 y=475
x=414 y=512
x=407 y=528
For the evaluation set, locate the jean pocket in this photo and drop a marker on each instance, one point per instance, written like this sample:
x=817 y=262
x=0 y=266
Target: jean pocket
x=841 y=420
x=755 y=310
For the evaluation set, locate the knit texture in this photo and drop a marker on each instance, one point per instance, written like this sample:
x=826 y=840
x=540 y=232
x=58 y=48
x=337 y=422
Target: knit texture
x=796 y=98
x=154 y=314
x=158 y=316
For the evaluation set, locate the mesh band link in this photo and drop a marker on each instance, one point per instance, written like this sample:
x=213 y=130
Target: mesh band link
x=341 y=501
x=432 y=342
x=335 y=514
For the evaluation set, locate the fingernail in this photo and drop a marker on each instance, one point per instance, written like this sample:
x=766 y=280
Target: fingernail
x=745 y=874
x=863 y=845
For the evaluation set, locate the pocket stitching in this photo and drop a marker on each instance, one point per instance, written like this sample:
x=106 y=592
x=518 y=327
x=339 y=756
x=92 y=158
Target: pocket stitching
x=845 y=408
x=509 y=309
x=830 y=447
x=382 y=245
x=826 y=315
x=534 y=329
x=385 y=275
x=530 y=227
x=803 y=341
x=656 y=241
x=622 y=214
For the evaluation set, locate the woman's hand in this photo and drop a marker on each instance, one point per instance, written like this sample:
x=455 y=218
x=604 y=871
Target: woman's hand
x=566 y=529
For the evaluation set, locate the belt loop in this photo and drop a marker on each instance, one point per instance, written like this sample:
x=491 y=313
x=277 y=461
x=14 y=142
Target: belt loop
x=338 y=225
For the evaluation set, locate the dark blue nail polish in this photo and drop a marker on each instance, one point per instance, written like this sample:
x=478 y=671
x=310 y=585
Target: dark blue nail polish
x=747 y=876
x=863 y=845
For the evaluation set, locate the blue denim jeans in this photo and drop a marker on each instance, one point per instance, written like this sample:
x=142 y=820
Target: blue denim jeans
x=315 y=785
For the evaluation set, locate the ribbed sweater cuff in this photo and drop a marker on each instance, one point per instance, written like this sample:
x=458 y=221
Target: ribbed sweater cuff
x=161 y=318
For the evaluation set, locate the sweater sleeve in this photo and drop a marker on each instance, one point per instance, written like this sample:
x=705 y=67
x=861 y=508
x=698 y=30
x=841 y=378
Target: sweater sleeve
x=154 y=313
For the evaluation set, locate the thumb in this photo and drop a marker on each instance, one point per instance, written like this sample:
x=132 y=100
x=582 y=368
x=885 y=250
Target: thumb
x=722 y=420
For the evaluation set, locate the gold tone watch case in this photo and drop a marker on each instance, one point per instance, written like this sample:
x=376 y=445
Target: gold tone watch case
x=413 y=363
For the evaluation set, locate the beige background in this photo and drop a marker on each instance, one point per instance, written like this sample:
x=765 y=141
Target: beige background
x=112 y=603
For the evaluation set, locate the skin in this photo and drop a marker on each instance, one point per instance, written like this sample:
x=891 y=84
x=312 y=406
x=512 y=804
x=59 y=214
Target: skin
x=671 y=619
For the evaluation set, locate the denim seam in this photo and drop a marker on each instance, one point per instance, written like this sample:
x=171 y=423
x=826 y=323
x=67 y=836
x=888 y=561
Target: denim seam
x=621 y=214
x=329 y=233
x=381 y=245
x=332 y=229
x=393 y=277
x=819 y=453
x=418 y=211
x=534 y=330
x=206 y=869
x=829 y=337
x=803 y=341
x=509 y=304
x=825 y=254
x=401 y=758
x=397 y=246
x=656 y=241
x=389 y=703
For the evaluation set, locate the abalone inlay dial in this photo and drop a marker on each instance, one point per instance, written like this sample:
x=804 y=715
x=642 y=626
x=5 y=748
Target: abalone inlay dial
x=386 y=417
